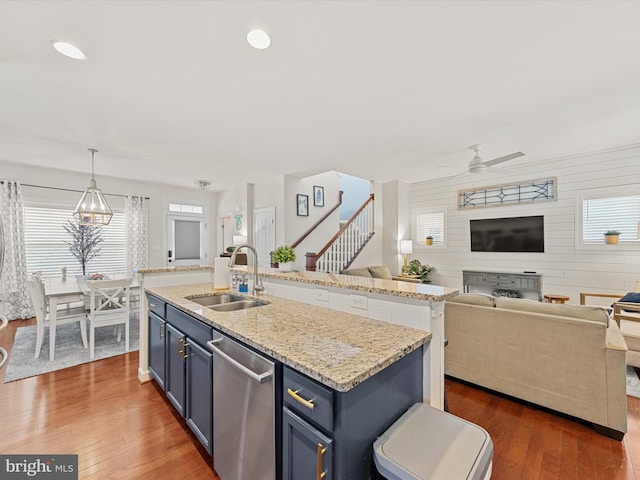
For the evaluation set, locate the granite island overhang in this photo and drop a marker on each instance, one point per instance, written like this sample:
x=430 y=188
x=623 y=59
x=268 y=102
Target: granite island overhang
x=408 y=304
x=338 y=349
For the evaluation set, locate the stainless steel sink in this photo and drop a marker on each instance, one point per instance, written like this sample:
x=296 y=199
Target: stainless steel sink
x=238 y=305
x=218 y=299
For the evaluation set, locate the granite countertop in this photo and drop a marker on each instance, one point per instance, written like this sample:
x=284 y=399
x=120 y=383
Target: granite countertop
x=420 y=291
x=176 y=269
x=338 y=349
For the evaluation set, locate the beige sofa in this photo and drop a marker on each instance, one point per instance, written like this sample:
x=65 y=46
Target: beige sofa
x=378 y=271
x=563 y=357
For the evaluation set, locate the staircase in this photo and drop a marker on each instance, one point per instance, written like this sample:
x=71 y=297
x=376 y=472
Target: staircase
x=347 y=244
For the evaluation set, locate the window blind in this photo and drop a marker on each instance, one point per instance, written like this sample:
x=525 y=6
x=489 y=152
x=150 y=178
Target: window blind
x=430 y=224
x=46 y=250
x=618 y=213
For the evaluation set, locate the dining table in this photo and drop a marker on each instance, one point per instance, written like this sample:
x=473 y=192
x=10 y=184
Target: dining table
x=61 y=291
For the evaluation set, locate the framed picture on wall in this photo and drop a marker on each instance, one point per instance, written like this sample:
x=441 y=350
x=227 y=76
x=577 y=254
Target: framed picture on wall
x=318 y=196
x=303 y=205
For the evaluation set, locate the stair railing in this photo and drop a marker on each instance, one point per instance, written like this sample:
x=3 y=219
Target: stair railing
x=346 y=244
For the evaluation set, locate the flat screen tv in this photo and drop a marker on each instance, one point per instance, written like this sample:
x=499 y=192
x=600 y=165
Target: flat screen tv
x=513 y=234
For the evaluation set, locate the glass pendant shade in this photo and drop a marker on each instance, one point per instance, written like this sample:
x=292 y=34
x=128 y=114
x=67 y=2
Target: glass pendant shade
x=92 y=209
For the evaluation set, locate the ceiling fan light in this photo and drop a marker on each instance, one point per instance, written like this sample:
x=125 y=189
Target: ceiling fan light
x=477 y=167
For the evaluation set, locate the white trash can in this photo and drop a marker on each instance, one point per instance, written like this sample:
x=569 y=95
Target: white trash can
x=428 y=444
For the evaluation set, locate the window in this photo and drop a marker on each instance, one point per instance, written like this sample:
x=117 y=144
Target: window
x=616 y=213
x=430 y=223
x=599 y=210
x=46 y=250
x=181 y=208
x=186 y=232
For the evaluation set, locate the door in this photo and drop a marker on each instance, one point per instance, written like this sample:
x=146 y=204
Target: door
x=174 y=379
x=225 y=234
x=157 y=348
x=306 y=452
x=264 y=234
x=187 y=240
x=199 y=393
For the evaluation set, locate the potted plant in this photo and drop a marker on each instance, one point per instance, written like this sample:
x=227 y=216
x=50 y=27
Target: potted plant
x=611 y=237
x=429 y=240
x=85 y=241
x=284 y=256
x=418 y=269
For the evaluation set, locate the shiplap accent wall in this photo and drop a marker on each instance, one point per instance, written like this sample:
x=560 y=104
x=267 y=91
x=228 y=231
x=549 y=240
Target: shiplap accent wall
x=565 y=269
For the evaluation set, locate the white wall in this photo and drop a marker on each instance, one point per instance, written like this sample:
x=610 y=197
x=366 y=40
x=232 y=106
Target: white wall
x=156 y=192
x=296 y=226
x=565 y=269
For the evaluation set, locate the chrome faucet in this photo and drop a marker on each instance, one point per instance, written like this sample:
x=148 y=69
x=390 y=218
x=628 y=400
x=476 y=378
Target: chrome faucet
x=257 y=283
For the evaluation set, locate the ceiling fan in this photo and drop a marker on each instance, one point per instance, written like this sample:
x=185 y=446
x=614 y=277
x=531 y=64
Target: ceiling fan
x=477 y=165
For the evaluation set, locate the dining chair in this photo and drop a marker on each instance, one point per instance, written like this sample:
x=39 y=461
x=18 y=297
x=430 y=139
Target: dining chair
x=35 y=285
x=109 y=304
x=3 y=352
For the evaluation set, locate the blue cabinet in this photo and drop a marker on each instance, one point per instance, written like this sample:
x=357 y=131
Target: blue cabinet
x=157 y=328
x=307 y=452
x=182 y=366
x=175 y=378
x=199 y=392
x=329 y=434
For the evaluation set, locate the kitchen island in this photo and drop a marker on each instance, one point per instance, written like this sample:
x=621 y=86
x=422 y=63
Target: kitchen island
x=402 y=303
x=350 y=355
x=337 y=349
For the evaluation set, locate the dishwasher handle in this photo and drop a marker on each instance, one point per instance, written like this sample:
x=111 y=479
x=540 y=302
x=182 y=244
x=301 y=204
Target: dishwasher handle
x=258 y=377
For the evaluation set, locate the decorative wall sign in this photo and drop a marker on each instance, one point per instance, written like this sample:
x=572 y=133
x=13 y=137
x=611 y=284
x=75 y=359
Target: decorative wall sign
x=318 y=196
x=303 y=205
x=509 y=194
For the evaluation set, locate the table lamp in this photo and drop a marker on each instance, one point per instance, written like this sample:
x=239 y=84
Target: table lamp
x=406 y=247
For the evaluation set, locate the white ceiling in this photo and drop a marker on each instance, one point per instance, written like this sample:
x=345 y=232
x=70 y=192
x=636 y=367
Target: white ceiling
x=171 y=92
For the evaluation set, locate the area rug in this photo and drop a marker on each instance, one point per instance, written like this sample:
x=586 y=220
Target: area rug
x=69 y=349
x=633 y=383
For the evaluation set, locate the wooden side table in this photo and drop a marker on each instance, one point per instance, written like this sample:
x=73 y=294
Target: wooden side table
x=551 y=298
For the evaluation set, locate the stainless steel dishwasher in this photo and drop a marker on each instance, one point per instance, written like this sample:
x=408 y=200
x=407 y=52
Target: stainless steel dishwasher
x=243 y=412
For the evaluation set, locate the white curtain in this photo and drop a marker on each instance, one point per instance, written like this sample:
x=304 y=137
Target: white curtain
x=13 y=276
x=137 y=231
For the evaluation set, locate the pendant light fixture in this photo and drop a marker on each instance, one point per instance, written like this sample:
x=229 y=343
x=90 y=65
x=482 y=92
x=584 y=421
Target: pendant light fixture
x=92 y=209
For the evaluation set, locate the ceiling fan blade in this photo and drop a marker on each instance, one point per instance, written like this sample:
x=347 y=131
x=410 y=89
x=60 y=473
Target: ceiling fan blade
x=506 y=158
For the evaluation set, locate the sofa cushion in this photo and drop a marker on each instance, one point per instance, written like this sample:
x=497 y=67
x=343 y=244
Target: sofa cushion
x=594 y=314
x=631 y=332
x=357 y=272
x=481 y=299
x=380 y=271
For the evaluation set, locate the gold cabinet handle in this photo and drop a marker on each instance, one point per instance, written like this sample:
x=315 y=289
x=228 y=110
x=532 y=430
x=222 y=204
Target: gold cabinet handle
x=320 y=452
x=184 y=351
x=162 y=330
x=180 y=350
x=307 y=403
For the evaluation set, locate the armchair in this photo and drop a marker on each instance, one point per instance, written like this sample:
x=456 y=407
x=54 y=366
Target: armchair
x=627 y=316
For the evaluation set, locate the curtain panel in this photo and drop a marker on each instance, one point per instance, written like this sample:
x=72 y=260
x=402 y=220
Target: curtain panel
x=13 y=275
x=137 y=231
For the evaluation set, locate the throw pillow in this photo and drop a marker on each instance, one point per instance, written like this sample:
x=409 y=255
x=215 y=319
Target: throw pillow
x=631 y=297
x=357 y=272
x=380 y=271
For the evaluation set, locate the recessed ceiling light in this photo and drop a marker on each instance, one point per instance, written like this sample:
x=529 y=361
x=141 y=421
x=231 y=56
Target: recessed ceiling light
x=258 y=39
x=68 y=50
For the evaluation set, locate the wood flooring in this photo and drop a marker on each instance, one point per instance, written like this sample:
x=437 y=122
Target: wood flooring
x=122 y=429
